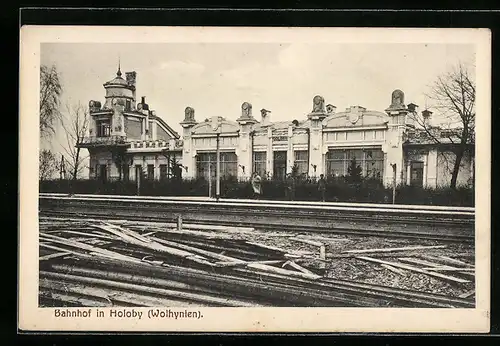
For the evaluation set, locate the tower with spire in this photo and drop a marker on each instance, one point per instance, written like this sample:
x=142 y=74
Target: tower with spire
x=126 y=138
x=120 y=91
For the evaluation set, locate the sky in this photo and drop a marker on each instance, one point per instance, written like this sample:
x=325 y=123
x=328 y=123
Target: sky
x=216 y=78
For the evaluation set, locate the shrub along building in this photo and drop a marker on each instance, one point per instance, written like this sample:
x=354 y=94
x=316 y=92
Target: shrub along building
x=127 y=139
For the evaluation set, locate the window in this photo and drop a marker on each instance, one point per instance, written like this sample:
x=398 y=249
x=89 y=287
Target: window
x=301 y=161
x=259 y=163
x=228 y=164
x=163 y=172
x=127 y=105
x=417 y=173
x=206 y=164
x=103 y=128
x=150 y=129
x=371 y=161
x=373 y=164
x=336 y=163
x=354 y=135
x=151 y=172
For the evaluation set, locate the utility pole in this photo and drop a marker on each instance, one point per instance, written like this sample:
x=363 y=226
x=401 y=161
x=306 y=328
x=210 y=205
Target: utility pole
x=216 y=127
x=217 y=186
x=138 y=176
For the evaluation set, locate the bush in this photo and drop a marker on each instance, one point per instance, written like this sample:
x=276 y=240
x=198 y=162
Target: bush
x=339 y=189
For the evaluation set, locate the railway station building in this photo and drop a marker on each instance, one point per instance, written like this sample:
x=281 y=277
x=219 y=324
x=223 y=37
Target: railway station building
x=127 y=138
x=324 y=142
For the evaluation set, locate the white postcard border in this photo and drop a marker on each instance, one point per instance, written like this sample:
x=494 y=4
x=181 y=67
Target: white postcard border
x=249 y=319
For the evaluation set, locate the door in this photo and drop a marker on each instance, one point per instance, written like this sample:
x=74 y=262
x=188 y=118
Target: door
x=417 y=174
x=279 y=168
x=103 y=173
x=125 y=172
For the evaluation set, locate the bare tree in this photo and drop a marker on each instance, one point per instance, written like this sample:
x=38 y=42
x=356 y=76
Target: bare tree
x=453 y=96
x=50 y=92
x=75 y=124
x=47 y=164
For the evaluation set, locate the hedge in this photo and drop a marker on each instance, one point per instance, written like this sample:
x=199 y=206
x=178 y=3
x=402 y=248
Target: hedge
x=338 y=189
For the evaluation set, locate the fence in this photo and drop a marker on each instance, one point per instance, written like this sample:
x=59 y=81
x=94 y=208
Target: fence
x=337 y=189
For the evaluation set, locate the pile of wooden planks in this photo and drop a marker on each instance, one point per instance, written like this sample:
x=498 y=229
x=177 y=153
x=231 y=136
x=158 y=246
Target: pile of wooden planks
x=95 y=263
x=435 y=266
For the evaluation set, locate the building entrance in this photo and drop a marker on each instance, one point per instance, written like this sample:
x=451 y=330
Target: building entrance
x=279 y=169
x=103 y=173
x=417 y=173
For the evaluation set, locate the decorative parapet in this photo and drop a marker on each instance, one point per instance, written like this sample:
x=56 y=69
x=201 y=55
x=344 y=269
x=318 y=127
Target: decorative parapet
x=435 y=135
x=149 y=144
x=93 y=141
x=176 y=144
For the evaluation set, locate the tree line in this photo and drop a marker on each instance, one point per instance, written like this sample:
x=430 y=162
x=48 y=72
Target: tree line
x=66 y=126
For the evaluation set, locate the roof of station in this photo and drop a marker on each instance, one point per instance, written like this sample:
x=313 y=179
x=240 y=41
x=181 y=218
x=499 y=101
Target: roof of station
x=118 y=80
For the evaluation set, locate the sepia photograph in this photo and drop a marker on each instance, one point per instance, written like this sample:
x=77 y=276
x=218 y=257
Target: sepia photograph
x=178 y=174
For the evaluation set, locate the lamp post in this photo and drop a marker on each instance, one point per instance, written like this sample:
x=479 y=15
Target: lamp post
x=393 y=183
x=209 y=177
x=62 y=169
x=216 y=126
x=138 y=177
x=217 y=172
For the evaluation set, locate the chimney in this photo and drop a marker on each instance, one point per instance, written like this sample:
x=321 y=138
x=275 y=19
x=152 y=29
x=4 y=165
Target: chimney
x=412 y=107
x=266 y=118
x=144 y=107
x=131 y=78
x=426 y=115
x=330 y=109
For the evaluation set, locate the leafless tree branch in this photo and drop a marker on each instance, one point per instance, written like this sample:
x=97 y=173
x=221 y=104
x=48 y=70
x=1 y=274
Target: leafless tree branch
x=453 y=96
x=75 y=123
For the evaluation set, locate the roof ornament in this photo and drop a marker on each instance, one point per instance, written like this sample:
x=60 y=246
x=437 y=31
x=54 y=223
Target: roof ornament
x=318 y=104
x=398 y=99
x=246 y=110
x=119 y=72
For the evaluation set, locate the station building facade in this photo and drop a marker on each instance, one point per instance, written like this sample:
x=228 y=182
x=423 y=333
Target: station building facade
x=386 y=145
x=324 y=142
x=126 y=139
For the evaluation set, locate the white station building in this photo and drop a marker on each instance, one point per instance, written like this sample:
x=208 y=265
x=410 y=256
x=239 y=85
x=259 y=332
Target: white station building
x=127 y=139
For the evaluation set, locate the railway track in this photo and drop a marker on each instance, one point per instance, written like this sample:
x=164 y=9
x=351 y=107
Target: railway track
x=422 y=222
x=91 y=262
x=228 y=289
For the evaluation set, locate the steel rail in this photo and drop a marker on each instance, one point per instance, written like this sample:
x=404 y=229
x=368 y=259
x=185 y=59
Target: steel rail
x=265 y=226
x=387 y=209
x=354 y=214
x=273 y=202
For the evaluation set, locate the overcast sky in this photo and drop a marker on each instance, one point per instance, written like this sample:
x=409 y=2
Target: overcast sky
x=215 y=79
